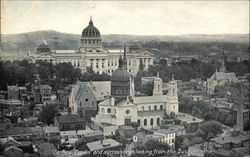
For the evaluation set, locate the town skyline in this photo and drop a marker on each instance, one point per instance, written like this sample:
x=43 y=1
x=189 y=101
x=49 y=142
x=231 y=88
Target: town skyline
x=146 y=18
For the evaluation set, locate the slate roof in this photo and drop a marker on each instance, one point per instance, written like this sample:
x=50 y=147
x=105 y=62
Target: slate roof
x=150 y=99
x=224 y=76
x=151 y=113
x=226 y=139
x=70 y=118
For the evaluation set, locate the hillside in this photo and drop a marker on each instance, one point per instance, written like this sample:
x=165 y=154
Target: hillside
x=190 y=44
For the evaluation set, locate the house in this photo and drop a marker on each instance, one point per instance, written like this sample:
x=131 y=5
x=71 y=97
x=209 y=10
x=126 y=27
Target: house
x=41 y=93
x=230 y=142
x=178 y=129
x=192 y=123
x=31 y=121
x=72 y=137
x=46 y=149
x=107 y=128
x=69 y=122
x=52 y=134
x=13 y=151
x=85 y=96
x=126 y=132
x=37 y=109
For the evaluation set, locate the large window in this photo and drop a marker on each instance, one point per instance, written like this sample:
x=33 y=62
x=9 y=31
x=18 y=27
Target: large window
x=145 y=122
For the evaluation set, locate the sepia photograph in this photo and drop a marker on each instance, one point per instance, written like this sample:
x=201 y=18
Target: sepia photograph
x=142 y=78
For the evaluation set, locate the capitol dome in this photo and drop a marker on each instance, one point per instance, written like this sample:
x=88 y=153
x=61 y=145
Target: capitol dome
x=91 y=37
x=90 y=31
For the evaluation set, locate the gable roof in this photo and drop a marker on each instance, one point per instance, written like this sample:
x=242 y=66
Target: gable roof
x=13 y=147
x=224 y=76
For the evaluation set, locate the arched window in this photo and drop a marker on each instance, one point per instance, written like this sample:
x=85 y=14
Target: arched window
x=108 y=110
x=161 y=107
x=158 y=87
x=145 y=122
x=155 y=107
x=158 y=121
x=151 y=121
x=139 y=122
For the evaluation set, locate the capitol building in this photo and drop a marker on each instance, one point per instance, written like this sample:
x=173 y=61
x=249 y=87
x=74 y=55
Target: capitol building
x=92 y=54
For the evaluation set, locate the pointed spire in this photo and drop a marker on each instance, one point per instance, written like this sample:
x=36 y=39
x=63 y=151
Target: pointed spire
x=120 y=61
x=90 y=21
x=125 y=50
x=223 y=57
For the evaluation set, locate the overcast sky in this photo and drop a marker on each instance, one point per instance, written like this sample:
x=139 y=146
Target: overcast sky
x=122 y=17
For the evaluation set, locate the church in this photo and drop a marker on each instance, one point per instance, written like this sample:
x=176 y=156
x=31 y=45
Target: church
x=92 y=54
x=122 y=107
x=221 y=77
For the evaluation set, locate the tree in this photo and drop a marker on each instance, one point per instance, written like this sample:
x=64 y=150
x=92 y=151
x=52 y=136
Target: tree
x=48 y=113
x=210 y=128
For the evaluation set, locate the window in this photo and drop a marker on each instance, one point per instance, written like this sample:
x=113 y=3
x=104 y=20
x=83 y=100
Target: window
x=108 y=110
x=155 y=107
x=139 y=122
x=151 y=121
x=87 y=100
x=127 y=111
x=161 y=107
x=145 y=122
x=158 y=121
x=149 y=107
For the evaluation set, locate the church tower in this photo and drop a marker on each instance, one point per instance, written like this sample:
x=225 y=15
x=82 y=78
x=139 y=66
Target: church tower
x=223 y=67
x=157 y=85
x=173 y=104
x=120 y=80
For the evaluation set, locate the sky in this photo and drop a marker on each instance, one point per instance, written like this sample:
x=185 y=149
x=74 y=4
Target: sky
x=127 y=17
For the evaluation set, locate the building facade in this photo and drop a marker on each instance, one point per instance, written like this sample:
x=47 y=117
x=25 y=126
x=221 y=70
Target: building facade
x=91 y=54
x=122 y=107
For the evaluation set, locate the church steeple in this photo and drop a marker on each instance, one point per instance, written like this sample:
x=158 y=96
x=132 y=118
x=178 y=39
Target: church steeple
x=125 y=57
x=223 y=67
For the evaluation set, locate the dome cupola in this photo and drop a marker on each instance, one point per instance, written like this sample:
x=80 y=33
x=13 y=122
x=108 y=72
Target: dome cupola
x=90 y=31
x=91 y=37
x=120 y=80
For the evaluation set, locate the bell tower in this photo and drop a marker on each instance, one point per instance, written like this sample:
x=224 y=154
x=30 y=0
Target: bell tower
x=157 y=85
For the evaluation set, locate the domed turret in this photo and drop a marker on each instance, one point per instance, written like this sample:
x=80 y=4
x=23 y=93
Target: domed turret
x=43 y=48
x=120 y=80
x=91 y=37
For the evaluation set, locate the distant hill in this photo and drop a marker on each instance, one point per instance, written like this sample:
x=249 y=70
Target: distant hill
x=25 y=42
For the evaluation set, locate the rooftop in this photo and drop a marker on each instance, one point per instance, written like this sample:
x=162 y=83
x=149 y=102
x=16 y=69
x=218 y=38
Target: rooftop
x=103 y=144
x=188 y=118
